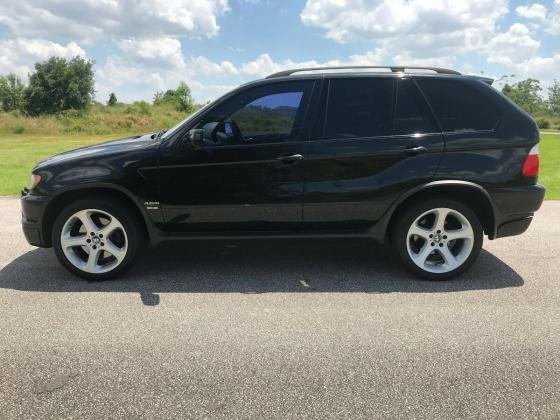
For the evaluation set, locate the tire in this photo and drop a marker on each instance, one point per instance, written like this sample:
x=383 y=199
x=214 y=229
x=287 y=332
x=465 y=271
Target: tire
x=106 y=248
x=424 y=243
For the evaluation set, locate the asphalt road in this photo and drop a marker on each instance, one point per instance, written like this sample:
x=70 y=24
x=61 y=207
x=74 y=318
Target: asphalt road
x=282 y=329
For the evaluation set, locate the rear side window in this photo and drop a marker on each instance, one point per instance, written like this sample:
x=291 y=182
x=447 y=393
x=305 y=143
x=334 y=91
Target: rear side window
x=458 y=106
x=359 y=108
x=412 y=115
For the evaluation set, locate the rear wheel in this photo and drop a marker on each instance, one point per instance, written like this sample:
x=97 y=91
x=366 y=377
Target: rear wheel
x=438 y=239
x=94 y=239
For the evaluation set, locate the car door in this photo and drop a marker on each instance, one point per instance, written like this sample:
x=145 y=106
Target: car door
x=375 y=139
x=246 y=176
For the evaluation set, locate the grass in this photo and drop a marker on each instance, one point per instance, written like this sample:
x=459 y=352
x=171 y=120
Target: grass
x=549 y=156
x=20 y=152
x=138 y=117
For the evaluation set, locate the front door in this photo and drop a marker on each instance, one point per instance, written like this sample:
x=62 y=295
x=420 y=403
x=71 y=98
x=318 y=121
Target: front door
x=247 y=176
x=378 y=139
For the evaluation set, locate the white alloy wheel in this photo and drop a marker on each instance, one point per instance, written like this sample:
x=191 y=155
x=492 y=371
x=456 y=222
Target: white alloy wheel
x=440 y=240
x=94 y=241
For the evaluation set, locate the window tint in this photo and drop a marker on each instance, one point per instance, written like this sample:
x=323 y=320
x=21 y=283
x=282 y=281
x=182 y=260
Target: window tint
x=361 y=107
x=458 y=106
x=272 y=114
x=263 y=114
x=412 y=114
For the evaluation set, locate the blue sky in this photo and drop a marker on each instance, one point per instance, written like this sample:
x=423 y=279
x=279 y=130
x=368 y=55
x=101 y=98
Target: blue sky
x=143 y=46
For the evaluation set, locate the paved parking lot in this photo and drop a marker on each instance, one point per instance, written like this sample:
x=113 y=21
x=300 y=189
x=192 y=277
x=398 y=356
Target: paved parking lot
x=282 y=329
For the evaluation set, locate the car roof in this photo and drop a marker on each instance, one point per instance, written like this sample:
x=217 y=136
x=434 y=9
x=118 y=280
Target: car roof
x=368 y=71
x=391 y=69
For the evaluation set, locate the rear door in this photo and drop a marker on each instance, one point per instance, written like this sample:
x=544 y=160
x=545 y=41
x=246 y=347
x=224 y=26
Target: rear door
x=375 y=139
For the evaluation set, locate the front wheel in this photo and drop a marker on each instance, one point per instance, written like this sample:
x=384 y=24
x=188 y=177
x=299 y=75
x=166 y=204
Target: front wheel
x=438 y=239
x=95 y=239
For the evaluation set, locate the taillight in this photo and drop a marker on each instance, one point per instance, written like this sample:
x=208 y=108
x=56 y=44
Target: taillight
x=531 y=164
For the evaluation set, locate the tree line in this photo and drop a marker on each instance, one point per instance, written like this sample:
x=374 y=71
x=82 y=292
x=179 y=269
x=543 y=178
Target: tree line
x=59 y=84
x=528 y=94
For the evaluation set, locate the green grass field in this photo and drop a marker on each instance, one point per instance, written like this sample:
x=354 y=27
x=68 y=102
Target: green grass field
x=19 y=153
x=549 y=156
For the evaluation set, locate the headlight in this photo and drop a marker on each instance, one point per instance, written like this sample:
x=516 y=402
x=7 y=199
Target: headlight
x=34 y=181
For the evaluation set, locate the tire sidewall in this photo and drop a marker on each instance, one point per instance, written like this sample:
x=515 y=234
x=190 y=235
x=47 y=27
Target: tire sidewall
x=400 y=233
x=129 y=224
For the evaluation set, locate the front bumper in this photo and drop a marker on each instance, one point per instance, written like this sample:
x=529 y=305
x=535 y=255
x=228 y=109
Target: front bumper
x=514 y=208
x=32 y=212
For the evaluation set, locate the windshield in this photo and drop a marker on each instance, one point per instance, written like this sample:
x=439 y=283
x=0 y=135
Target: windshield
x=173 y=129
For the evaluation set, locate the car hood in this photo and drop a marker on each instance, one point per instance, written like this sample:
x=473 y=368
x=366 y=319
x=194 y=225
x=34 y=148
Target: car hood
x=127 y=144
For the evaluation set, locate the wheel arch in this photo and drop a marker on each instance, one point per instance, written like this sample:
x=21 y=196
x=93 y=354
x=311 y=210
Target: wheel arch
x=106 y=191
x=468 y=193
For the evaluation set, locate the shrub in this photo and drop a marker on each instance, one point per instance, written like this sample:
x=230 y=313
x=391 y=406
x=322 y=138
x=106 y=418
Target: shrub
x=180 y=98
x=140 y=107
x=543 y=123
x=19 y=129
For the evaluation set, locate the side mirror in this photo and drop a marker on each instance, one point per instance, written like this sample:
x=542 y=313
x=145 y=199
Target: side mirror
x=196 y=138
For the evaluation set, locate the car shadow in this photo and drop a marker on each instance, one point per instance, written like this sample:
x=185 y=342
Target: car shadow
x=257 y=266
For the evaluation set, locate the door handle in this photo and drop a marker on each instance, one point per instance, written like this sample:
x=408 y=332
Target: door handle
x=290 y=158
x=414 y=150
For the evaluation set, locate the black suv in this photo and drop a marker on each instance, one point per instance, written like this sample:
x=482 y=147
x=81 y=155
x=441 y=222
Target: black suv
x=424 y=158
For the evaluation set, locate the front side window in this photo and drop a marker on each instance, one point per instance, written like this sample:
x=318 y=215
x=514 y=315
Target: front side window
x=458 y=106
x=265 y=114
x=360 y=107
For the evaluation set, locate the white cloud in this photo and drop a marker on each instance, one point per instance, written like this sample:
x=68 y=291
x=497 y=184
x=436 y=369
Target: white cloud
x=534 y=11
x=462 y=25
x=147 y=54
x=147 y=65
x=87 y=20
x=133 y=81
x=553 y=19
x=157 y=50
x=19 y=55
x=513 y=46
x=441 y=32
x=545 y=69
x=203 y=66
x=405 y=58
x=264 y=65
x=152 y=52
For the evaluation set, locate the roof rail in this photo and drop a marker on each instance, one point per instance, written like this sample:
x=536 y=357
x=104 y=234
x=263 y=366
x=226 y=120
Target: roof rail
x=394 y=69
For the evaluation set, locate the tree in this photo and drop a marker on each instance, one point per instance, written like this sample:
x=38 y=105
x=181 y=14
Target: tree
x=526 y=94
x=181 y=98
x=112 y=99
x=184 y=98
x=554 y=98
x=11 y=92
x=59 y=84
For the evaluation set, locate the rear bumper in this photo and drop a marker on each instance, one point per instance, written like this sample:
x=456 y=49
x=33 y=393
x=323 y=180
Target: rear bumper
x=515 y=227
x=32 y=211
x=514 y=208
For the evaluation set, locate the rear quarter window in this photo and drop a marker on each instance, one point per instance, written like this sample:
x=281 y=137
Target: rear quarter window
x=459 y=106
